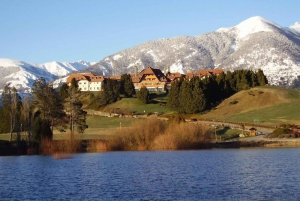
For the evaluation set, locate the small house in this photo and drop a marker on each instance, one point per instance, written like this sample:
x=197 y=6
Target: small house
x=252 y=131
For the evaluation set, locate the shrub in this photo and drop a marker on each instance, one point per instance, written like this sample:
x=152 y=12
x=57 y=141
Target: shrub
x=233 y=102
x=278 y=131
x=251 y=93
x=143 y=95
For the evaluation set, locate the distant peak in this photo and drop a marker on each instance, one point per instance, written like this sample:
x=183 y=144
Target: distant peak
x=251 y=25
x=295 y=26
x=259 y=20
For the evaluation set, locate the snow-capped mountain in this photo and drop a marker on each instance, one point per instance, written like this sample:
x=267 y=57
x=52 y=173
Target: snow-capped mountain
x=255 y=43
x=23 y=74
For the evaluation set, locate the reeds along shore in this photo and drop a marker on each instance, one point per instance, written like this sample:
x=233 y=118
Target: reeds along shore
x=151 y=135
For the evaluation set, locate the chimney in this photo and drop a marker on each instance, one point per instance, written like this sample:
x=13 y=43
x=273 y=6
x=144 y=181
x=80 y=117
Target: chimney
x=165 y=70
x=169 y=69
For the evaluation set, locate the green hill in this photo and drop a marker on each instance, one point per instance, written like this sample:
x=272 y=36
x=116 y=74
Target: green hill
x=136 y=106
x=267 y=105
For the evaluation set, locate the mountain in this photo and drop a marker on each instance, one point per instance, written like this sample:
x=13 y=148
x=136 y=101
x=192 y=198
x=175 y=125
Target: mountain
x=22 y=74
x=255 y=43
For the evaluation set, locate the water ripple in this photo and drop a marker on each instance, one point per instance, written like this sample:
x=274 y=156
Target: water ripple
x=234 y=174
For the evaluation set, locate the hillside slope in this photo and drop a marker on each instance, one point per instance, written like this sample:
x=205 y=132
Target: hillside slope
x=270 y=105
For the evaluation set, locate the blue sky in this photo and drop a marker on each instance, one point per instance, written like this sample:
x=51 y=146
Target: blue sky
x=70 y=30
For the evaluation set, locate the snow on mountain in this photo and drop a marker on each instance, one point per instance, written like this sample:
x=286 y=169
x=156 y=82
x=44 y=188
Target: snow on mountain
x=255 y=43
x=295 y=28
x=23 y=74
x=251 y=26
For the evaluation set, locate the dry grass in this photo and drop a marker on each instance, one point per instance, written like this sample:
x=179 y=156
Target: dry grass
x=96 y=146
x=59 y=146
x=157 y=135
x=138 y=137
x=184 y=136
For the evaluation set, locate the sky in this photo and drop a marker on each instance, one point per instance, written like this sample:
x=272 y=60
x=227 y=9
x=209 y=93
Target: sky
x=42 y=31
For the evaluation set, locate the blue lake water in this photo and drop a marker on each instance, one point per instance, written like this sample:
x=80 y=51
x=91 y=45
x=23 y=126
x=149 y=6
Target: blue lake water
x=225 y=174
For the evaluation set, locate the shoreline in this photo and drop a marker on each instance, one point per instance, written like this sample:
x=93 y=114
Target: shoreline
x=238 y=144
x=265 y=143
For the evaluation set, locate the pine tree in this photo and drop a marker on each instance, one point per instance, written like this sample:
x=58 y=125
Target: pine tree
x=126 y=86
x=262 y=79
x=48 y=102
x=173 y=96
x=77 y=116
x=63 y=91
x=254 y=81
x=199 y=100
x=4 y=121
x=185 y=97
x=111 y=91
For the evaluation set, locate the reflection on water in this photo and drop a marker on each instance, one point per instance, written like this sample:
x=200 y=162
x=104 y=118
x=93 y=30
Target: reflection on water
x=235 y=174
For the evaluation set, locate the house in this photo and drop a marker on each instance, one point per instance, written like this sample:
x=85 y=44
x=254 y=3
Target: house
x=252 y=131
x=152 y=79
x=203 y=73
x=87 y=81
x=172 y=77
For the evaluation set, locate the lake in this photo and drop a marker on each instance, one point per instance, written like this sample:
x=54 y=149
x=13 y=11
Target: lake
x=221 y=174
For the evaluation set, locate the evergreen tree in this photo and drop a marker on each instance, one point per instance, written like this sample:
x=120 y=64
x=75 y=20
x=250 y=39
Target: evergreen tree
x=199 y=100
x=262 y=79
x=41 y=129
x=4 y=121
x=185 y=97
x=126 y=86
x=173 y=96
x=230 y=82
x=254 y=81
x=77 y=116
x=48 y=102
x=143 y=95
x=63 y=91
x=111 y=90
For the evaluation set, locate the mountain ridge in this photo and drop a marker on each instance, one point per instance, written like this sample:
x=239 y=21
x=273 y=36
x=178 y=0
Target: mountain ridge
x=22 y=75
x=255 y=43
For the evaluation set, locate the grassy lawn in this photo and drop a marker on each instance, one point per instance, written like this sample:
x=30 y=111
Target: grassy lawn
x=100 y=127
x=136 y=106
x=4 y=136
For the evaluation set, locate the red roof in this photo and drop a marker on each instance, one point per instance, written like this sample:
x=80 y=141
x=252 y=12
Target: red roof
x=149 y=71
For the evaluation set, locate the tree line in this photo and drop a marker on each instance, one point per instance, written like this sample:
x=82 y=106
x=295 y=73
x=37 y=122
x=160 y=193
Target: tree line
x=199 y=94
x=36 y=115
